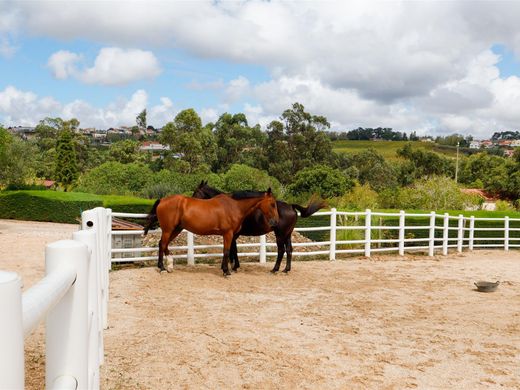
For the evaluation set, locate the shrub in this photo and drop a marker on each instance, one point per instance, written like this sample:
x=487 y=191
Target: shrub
x=434 y=193
x=115 y=178
x=168 y=182
x=320 y=179
x=360 y=198
x=243 y=177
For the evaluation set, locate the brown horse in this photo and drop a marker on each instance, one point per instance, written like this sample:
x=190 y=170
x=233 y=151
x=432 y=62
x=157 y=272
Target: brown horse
x=256 y=225
x=221 y=215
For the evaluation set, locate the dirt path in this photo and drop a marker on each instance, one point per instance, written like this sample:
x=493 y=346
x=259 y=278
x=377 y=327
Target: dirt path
x=389 y=323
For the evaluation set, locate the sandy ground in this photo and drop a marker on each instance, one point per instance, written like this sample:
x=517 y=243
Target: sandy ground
x=386 y=323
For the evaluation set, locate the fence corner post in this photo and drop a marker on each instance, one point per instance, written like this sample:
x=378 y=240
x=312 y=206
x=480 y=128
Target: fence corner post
x=460 y=233
x=67 y=352
x=431 y=244
x=332 y=238
x=506 y=233
x=368 y=232
x=191 y=249
x=263 y=249
x=11 y=332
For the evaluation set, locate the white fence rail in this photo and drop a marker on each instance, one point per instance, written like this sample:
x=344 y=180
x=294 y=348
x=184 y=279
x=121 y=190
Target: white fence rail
x=363 y=233
x=69 y=298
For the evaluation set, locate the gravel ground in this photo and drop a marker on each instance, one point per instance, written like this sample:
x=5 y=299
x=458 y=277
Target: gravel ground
x=387 y=322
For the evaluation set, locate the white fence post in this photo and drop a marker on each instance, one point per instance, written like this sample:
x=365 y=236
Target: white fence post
x=506 y=233
x=263 y=249
x=67 y=351
x=332 y=238
x=431 y=246
x=95 y=328
x=100 y=219
x=11 y=332
x=401 y=232
x=471 y=232
x=460 y=233
x=368 y=232
x=445 y=234
x=191 y=250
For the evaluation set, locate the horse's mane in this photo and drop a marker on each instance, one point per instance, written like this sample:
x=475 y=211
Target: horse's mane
x=237 y=195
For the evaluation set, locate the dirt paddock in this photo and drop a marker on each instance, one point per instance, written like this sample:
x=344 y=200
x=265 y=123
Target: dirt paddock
x=385 y=323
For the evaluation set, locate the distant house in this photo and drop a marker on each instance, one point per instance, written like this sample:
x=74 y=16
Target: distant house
x=24 y=132
x=487 y=144
x=474 y=145
x=515 y=143
x=505 y=142
x=153 y=146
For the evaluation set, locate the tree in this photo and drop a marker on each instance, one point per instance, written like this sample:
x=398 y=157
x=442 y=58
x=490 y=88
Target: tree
x=140 y=119
x=297 y=141
x=16 y=159
x=66 y=168
x=189 y=142
x=426 y=163
x=243 y=177
x=237 y=142
x=322 y=180
x=373 y=169
x=126 y=151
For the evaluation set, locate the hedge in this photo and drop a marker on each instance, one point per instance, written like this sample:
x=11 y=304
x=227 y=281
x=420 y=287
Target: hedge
x=64 y=207
x=48 y=206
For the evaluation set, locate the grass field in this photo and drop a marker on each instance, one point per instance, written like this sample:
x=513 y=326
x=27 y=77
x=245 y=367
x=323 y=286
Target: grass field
x=388 y=149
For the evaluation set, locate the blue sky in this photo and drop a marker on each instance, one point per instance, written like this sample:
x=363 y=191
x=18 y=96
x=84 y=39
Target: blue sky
x=430 y=67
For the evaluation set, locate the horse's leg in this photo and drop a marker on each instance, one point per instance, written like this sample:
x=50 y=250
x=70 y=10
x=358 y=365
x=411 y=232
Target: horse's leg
x=234 y=254
x=163 y=249
x=280 y=243
x=173 y=235
x=288 y=250
x=228 y=239
x=166 y=238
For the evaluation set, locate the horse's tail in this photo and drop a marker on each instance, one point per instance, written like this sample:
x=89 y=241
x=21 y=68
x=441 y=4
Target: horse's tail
x=152 y=220
x=314 y=205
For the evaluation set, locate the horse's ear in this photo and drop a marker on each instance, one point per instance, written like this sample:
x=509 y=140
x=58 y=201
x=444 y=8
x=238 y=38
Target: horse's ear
x=269 y=192
x=201 y=183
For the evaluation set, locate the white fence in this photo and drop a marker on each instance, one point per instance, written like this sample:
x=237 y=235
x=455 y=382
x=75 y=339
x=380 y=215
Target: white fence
x=365 y=233
x=70 y=298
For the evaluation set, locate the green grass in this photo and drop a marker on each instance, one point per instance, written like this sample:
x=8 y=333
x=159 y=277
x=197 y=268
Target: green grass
x=388 y=149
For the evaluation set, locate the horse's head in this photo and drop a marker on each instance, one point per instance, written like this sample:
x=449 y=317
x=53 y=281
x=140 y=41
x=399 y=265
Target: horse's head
x=204 y=191
x=269 y=209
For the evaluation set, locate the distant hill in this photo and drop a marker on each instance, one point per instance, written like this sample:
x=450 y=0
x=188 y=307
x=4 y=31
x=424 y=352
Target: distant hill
x=389 y=148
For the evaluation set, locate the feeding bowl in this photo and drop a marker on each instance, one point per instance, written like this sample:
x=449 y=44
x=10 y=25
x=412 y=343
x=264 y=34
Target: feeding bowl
x=483 y=286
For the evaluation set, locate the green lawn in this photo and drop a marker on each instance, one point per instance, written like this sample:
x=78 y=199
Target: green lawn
x=388 y=149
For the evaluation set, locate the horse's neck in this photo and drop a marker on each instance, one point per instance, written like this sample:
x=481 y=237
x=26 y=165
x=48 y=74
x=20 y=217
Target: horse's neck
x=248 y=205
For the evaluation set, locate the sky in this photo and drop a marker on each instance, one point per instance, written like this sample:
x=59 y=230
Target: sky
x=436 y=68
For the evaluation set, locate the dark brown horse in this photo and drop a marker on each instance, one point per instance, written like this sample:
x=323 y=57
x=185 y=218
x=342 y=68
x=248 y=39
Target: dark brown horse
x=255 y=224
x=221 y=215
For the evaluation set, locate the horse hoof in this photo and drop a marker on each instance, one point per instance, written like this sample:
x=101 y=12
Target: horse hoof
x=286 y=271
x=162 y=271
x=169 y=270
x=274 y=271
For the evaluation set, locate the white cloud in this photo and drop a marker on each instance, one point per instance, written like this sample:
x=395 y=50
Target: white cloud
x=410 y=65
x=63 y=64
x=112 y=66
x=26 y=108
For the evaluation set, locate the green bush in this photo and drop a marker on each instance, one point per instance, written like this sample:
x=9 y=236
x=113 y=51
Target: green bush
x=361 y=197
x=167 y=182
x=322 y=180
x=114 y=178
x=243 y=177
x=49 y=206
